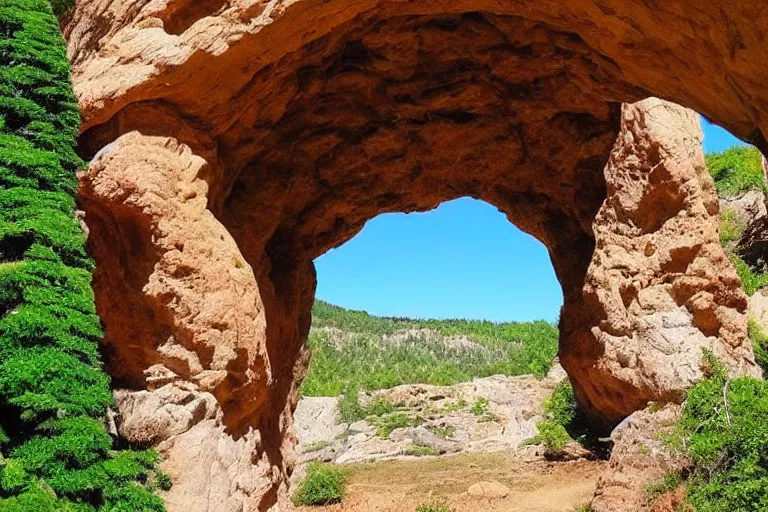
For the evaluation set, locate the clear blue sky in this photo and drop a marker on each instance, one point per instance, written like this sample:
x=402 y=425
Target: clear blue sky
x=461 y=260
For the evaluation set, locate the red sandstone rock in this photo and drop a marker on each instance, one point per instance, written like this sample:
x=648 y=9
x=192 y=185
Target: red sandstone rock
x=237 y=140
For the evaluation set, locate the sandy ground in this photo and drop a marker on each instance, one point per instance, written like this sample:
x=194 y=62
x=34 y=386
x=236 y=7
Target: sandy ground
x=401 y=486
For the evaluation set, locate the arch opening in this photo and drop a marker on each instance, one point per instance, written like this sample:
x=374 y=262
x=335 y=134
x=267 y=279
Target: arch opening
x=463 y=259
x=418 y=278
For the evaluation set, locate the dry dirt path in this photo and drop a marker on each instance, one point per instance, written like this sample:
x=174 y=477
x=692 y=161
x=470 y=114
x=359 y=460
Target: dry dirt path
x=535 y=486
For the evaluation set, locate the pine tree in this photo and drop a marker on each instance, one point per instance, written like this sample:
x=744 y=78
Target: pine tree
x=55 y=453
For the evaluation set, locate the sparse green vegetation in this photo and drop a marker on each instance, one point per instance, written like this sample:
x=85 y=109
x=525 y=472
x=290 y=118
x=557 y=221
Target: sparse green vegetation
x=418 y=450
x=731 y=227
x=655 y=490
x=736 y=170
x=350 y=409
x=369 y=360
x=317 y=446
x=387 y=423
x=553 y=436
x=455 y=406
x=163 y=480
x=584 y=507
x=751 y=281
x=441 y=431
x=55 y=453
x=324 y=484
x=565 y=422
x=433 y=507
x=724 y=432
x=643 y=449
x=480 y=409
x=759 y=340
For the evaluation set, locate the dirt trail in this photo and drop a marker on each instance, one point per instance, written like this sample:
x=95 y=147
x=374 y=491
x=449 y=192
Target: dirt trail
x=535 y=486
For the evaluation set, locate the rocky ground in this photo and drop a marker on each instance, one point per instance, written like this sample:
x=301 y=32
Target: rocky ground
x=468 y=446
x=489 y=414
x=477 y=482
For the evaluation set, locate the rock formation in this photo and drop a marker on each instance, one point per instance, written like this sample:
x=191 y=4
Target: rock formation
x=234 y=141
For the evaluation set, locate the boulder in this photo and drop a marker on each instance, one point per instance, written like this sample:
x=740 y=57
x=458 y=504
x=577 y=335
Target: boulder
x=488 y=490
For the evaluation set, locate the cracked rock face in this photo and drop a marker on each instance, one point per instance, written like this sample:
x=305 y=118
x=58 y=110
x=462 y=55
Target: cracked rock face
x=234 y=141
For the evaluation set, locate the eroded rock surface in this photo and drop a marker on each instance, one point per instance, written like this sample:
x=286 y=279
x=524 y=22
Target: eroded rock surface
x=659 y=278
x=640 y=458
x=489 y=414
x=210 y=469
x=234 y=141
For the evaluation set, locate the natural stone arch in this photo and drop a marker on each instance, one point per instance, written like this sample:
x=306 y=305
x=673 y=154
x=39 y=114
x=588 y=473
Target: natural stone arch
x=234 y=149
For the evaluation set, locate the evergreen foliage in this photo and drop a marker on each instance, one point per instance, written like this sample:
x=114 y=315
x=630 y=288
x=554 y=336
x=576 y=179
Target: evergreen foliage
x=367 y=360
x=726 y=436
x=55 y=453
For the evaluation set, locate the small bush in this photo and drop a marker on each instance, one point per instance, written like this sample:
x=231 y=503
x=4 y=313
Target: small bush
x=418 y=450
x=553 y=436
x=317 y=446
x=163 y=480
x=751 y=281
x=565 y=422
x=389 y=422
x=584 y=507
x=731 y=227
x=433 y=507
x=324 y=484
x=562 y=406
x=445 y=432
x=759 y=343
x=350 y=409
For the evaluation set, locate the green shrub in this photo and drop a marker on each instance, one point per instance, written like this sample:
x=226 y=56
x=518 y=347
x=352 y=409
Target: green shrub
x=433 y=507
x=736 y=170
x=565 y=422
x=553 y=436
x=759 y=340
x=55 y=454
x=445 y=432
x=480 y=408
x=731 y=227
x=418 y=450
x=562 y=406
x=317 y=446
x=725 y=434
x=750 y=280
x=350 y=409
x=389 y=422
x=584 y=507
x=323 y=485
x=163 y=480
